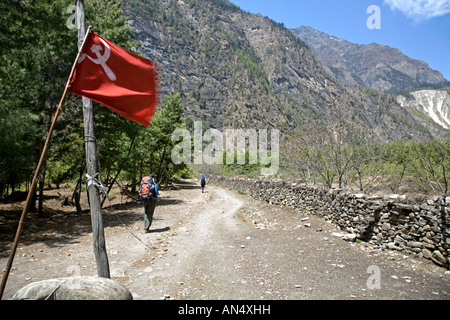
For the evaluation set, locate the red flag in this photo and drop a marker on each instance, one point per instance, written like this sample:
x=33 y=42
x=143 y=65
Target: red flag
x=120 y=80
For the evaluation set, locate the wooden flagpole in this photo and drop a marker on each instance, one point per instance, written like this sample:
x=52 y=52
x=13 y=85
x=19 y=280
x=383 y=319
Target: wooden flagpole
x=37 y=172
x=90 y=143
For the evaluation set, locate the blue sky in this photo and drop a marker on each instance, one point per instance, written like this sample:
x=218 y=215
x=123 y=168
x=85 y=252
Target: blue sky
x=419 y=28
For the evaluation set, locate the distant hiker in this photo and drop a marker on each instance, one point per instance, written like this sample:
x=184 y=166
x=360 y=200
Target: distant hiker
x=148 y=194
x=202 y=183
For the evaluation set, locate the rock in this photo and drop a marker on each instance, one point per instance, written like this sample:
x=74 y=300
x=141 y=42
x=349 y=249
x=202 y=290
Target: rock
x=414 y=244
x=391 y=197
x=337 y=234
x=438 y=258
x=350 y=237
x=391 y=245
x=385 y=216
x=426 y=253
x=347 y=237
x=74 y=288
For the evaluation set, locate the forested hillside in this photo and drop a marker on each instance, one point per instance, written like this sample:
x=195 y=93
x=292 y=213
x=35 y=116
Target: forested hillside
x=33 y=71
x=236 y=69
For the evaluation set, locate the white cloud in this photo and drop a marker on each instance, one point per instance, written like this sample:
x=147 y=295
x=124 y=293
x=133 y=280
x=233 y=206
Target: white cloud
x=421 y=9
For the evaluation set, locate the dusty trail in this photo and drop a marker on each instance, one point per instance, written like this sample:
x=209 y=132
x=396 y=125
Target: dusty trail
x=199 y=255
x=222 y=245
x=236 y=248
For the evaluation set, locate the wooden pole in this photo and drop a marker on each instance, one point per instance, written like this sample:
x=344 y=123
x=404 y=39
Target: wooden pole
x=37 y=173
x=90 y=142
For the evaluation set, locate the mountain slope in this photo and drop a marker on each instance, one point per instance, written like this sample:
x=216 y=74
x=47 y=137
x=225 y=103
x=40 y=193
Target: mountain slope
x=375 y=66
x=240 y=70
x=430 y=105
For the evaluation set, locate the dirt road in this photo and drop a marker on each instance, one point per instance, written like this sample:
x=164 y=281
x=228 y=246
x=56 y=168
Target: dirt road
x=222 y=245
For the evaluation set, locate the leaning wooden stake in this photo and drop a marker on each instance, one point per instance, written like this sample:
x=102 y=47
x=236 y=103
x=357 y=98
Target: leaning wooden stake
x=37 y=173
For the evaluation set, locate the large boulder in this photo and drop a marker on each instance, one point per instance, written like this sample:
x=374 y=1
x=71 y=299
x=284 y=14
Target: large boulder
x=74 y=288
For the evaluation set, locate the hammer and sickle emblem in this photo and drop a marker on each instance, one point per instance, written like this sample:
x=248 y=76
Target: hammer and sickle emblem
x=101 y=58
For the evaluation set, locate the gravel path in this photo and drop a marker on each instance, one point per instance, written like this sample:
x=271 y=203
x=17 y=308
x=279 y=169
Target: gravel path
x=223 y=245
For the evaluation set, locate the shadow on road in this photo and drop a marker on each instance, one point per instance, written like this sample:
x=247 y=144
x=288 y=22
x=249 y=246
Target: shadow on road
x=65 y=227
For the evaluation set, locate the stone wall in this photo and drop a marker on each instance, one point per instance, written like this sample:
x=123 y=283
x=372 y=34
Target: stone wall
x=419 y=226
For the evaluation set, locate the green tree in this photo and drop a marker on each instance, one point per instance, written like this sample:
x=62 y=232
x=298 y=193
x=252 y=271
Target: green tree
x=399 y=164
x=34 y=66
x=432 y=162
x=165 y=122
x=153 y=145
x=37 y=50
x=368 y=164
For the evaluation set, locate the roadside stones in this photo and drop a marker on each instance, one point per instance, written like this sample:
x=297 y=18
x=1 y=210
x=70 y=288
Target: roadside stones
x=414 y=244
x=426 y=253
x=414 y=225
x=348 y=237
x=438 y=258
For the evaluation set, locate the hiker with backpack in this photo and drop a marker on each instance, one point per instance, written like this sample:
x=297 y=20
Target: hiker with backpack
x=148 y=194
x=202 y=183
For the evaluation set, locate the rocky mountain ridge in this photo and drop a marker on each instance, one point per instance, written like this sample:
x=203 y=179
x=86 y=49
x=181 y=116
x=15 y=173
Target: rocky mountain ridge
x=240 y=70
x=376 y=66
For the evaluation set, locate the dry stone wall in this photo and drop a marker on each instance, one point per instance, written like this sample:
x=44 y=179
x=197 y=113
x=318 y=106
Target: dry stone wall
x=418 y=226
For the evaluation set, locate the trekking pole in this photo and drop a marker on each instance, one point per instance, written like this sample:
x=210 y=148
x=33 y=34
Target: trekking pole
x=37 y=172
